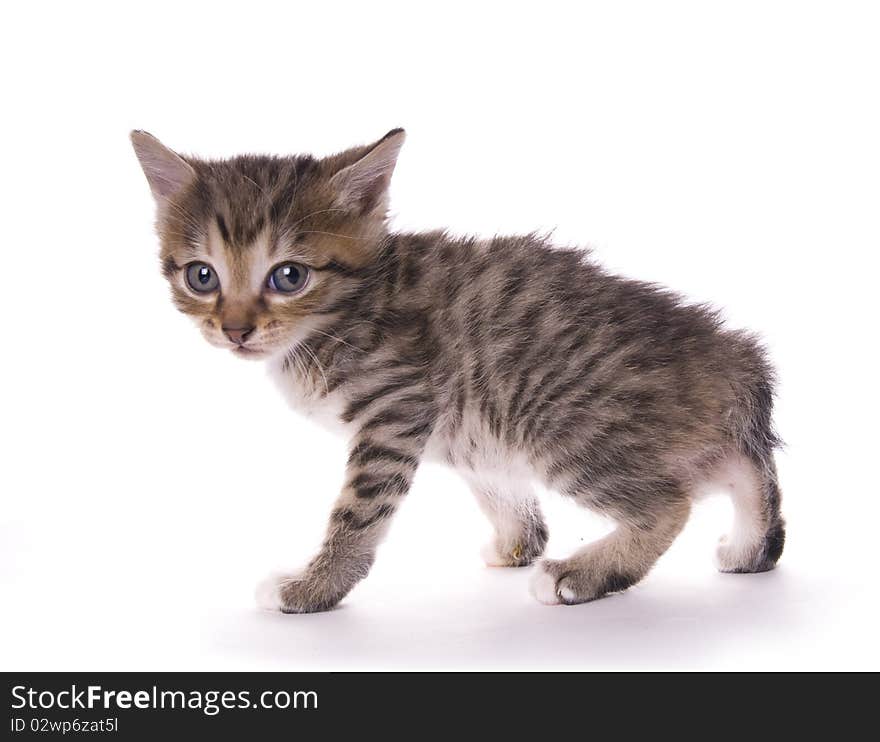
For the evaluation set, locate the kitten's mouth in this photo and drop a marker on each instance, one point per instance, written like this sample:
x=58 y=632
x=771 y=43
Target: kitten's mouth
x=244 y=352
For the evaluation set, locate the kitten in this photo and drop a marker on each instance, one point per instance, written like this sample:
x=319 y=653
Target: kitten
x=509 y=360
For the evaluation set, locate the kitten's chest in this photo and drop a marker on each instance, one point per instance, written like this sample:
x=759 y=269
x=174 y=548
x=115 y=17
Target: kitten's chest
x=308 y=396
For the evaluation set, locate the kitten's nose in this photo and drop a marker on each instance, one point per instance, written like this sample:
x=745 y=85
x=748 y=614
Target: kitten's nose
x=238 y=334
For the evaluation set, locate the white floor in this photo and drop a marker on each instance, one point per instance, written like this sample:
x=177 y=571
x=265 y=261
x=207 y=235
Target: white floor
x=154 y=594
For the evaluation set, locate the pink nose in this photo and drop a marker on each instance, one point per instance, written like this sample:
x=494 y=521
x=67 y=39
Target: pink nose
x=238 y=334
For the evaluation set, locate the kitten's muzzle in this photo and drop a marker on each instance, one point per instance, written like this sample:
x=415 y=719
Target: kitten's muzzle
x=238 y=335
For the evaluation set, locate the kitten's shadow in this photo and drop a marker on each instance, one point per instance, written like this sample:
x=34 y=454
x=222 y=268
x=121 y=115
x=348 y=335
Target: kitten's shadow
x=657 y=624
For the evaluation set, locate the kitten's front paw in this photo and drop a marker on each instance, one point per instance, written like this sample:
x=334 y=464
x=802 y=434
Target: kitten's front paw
x=293 y=592
x=268 y=592
x=542 y=584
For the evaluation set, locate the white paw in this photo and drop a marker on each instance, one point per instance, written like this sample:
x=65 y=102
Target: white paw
x=268 y=592
x=736 y=554
x=725 y=557
x=491 y=557
x=542 y=586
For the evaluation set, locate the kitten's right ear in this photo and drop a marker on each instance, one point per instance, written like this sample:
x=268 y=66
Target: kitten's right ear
x=166 y=171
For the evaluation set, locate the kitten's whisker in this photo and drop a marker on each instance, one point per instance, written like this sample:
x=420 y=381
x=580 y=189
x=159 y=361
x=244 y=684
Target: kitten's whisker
x=338 y=339
x=187 y=238
x=188 y=218
x=308 y=350
x=309 y=216
x=292 y=195
x=294 y=356
x=331 y=234
x=256 y=185
x=301 y=365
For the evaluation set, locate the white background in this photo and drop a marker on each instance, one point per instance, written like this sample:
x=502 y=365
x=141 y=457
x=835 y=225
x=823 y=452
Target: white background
x=149 y=481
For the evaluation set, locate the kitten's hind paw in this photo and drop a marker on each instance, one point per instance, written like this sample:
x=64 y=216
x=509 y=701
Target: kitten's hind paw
x=495 y=555
x=570 y=583
x=517 y=549
x=742 y=558
x=491 y=556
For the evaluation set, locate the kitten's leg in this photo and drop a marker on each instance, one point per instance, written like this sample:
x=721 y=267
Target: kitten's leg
x=380 y=468
x=513 y=510
x=758 y=535
x=613 y=563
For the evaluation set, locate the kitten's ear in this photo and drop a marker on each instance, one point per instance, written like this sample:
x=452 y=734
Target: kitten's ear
x=166 y=171
x=363 y=185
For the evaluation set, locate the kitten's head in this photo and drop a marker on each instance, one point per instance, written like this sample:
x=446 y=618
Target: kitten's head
x=256 y=248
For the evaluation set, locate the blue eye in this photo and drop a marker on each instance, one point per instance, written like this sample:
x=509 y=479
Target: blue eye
x=288 y=278
x=202 y=278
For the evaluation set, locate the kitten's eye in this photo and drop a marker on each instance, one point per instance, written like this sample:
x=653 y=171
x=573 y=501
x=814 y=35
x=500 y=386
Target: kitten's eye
x=202 y=278
x=288 y=278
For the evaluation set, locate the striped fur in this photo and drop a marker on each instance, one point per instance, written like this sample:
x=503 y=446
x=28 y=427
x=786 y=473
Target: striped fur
x=509 y=359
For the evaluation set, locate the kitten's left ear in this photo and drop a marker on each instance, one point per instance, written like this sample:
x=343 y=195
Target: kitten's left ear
x=166 y=171
x=363 y=186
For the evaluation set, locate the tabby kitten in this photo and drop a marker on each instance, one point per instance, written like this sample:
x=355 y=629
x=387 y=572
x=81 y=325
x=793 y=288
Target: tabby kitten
x=508 y=359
